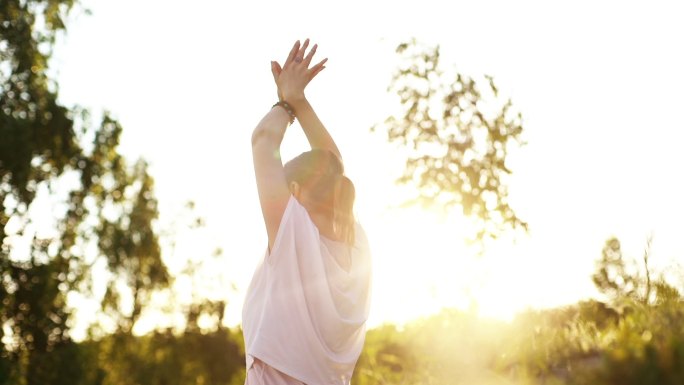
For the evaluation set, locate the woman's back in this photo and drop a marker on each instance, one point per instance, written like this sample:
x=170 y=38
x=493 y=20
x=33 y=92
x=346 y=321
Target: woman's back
x=305 y=312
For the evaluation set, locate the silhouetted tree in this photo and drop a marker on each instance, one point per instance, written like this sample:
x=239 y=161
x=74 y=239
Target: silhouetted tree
x=104 y=208
x=457 y=132
x=612 y=276
x=620 y=278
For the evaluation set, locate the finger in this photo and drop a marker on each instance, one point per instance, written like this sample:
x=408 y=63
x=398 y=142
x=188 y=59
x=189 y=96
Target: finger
x=308 y=58
x=278 y=68
x=313 y=75
x=299 y=56
x=274 y=71
x=318 y=66
x=291 y=56
x=302 y=51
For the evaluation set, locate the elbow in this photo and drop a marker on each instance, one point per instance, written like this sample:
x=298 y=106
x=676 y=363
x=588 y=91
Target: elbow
x=259 y=135
x=269 y=132
x=255 y=135
x=264 y=137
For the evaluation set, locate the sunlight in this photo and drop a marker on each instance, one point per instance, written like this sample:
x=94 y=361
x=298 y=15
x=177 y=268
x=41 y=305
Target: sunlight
x=84 y=292
x=421 y=265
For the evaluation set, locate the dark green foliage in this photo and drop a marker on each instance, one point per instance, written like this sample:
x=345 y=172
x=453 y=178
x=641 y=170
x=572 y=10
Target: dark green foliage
x=36 y=145
x=37 y=134
x=105 y=210
x=162 y=358
x=49 y=151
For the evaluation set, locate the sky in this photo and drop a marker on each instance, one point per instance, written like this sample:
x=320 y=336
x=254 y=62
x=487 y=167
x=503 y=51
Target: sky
x=599 y=85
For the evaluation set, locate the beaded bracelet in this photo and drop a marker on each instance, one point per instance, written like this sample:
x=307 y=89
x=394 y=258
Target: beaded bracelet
x=288 y=108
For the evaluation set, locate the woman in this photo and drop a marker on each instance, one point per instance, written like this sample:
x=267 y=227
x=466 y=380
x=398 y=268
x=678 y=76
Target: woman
x=306 y=308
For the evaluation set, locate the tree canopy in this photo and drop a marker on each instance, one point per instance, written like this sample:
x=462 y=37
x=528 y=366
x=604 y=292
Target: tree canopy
x=457 y=132
x=102 y=207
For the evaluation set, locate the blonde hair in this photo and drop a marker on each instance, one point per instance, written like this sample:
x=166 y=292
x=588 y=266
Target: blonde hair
x=331 y=193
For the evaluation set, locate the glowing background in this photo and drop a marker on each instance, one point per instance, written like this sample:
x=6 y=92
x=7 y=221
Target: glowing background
x=599 y=85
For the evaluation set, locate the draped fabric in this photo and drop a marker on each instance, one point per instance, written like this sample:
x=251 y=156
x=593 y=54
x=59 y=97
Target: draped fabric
x=306 y=308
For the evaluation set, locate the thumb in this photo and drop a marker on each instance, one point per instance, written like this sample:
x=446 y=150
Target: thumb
x=275 y=70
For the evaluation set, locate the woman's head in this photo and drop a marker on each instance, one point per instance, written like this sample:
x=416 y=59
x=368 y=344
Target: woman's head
x=316 y=178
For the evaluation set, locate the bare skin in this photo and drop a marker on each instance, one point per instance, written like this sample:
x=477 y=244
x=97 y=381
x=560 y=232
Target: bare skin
x=291 y=79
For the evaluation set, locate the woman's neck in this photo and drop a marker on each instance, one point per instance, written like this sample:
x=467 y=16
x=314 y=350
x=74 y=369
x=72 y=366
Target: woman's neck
x=324 y=225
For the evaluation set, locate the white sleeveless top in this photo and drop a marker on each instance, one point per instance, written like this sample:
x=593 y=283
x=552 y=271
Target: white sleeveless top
x=304 y=314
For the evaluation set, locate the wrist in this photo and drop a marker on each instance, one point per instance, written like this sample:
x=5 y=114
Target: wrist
x=286 y=107
x=293 y=99
x=297 y=102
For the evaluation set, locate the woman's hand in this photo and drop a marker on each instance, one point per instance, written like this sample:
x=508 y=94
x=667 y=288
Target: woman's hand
x=295 y=74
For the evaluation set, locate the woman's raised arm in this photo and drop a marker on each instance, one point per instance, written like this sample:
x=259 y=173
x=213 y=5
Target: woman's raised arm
x=291 y=79
x=268 y=169
x=274 y=193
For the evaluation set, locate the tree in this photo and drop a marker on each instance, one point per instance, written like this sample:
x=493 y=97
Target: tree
x=104 y=208
x=620 y=279
x=457 y=132
x=612 y=276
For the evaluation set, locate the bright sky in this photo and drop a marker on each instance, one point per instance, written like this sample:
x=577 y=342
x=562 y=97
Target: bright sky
x=599 y=85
